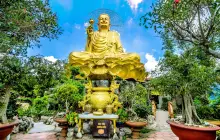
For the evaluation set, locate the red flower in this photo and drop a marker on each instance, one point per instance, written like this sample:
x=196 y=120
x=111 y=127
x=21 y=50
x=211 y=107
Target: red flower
x=176 y=1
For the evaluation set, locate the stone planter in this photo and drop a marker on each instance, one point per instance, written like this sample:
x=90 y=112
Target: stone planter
x=136 y=128
x=64 y=125
x=6 y=129
x=193 y=133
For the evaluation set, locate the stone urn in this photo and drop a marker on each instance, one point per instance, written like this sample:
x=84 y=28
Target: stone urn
x=62 y=124
x=6 y=129
x=136 y=128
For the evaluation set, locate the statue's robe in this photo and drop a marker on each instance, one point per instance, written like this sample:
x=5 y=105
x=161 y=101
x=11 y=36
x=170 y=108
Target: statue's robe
x=104 y=57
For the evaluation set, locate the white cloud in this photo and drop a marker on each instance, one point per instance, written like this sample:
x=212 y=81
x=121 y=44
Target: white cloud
x=151 y=63
x=50 y=58
x=86 y=24
x=124 y=49
x=134 y=4
x=141 y=10
x=67 y=4
x=77 y=26
x=130 y=21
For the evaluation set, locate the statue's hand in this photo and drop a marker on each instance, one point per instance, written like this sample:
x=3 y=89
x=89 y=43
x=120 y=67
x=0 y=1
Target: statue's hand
x=89 y=30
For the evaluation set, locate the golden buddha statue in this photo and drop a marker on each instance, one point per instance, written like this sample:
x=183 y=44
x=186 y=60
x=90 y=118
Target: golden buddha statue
x=104 y=56
x=104 y=59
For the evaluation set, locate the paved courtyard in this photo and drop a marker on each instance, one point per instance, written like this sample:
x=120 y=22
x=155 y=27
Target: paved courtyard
x=52 y=136
x=47 y=132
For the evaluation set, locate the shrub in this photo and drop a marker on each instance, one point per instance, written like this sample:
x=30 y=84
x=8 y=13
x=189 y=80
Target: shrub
x=145 y=130
x=123 y=115
x=72 y=118
x=69 y=94
x=143 y=110
x=40 y=106
x=205 y=112
x=164 y=105
x=24 y=112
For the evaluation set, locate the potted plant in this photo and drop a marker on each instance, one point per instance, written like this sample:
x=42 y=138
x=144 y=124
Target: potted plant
x=188 y=77
x=70 y=119
x=134 y=95
x=123 y=116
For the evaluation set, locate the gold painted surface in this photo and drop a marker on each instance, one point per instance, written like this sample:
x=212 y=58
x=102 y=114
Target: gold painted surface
x=99 y=99
x=104 y=55
x=104 y=58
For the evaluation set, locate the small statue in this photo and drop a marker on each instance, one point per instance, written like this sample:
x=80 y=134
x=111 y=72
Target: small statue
x=170 y=109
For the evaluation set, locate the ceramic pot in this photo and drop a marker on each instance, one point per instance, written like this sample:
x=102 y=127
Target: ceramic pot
x=6 y=129
x=64 y=125
x=136 y=128
x=193 y=133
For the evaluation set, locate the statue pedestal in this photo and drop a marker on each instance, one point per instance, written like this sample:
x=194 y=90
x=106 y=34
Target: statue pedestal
x=82 y=117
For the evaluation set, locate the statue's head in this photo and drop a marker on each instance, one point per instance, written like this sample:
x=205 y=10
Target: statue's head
x=104 y=22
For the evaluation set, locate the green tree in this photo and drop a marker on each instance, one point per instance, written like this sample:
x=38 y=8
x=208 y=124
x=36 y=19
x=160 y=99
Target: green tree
x=134 y=97
x=185 y=75
x=42 y=76
x=40 y=106
x=70 y=93
x=187 y=23
x=22 y=23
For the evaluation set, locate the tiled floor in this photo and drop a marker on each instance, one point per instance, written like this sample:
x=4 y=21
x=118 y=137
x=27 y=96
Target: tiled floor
x=163 y=136
x=35 y=136
x=52 y=136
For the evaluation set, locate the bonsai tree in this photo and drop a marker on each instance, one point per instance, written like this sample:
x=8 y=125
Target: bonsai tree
x=69 y=93
x=23 y=23
x=133 y=95
x=40 y=106
x=187 y=75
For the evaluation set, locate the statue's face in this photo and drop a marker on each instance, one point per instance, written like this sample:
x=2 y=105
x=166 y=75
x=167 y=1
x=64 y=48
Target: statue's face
x=104 y=22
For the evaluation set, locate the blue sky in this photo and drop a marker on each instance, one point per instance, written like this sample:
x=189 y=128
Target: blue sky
x=73 y=14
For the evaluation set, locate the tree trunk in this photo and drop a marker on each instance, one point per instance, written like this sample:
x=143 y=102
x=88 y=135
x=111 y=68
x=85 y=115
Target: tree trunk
x=188 y=110
x=67 y=106
x=4 y=99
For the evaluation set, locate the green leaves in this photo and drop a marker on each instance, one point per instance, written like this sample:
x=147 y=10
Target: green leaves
x=70 y=92
x=72 y=118
x=188 y=23
x=184 y=73
x=23 y=22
